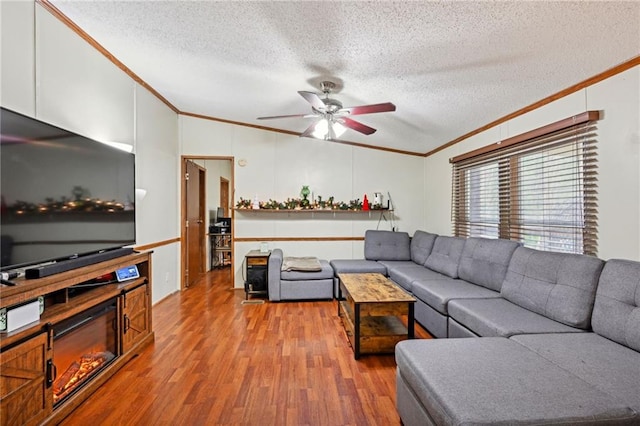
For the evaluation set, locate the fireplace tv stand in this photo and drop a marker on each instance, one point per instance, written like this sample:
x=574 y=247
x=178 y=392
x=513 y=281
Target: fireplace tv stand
x=27 y=370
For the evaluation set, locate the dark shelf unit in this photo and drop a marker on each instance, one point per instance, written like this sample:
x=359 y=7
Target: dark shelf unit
x=257 y=273
x=220 y=242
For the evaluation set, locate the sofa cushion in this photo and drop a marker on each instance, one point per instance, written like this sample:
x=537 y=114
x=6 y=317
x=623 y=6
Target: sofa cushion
x=438 y=293
x=499 y=317
x=616 y=314
x=607 y=365
x=421 y=246
x=498 y=381
x=560 y=286
x=325 y=273
x=405 y=275
x=356 y=266
x=386 y=245
x=392 y=264
x=445 y=256
x=485 y=261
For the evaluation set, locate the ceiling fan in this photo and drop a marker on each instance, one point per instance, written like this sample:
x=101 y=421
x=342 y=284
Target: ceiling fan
x=331 y=118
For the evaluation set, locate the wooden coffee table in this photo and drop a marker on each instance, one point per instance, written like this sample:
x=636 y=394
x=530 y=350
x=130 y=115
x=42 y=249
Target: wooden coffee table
x=370 y=306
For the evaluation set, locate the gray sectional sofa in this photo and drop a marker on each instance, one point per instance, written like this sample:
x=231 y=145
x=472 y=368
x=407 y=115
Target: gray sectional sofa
x=560 y=333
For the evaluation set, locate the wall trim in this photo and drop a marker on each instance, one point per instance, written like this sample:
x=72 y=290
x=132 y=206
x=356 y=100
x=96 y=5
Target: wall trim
x=532 y=134
x=290 y=132
x=150 y=246
x=92 y=42
x=633 y=62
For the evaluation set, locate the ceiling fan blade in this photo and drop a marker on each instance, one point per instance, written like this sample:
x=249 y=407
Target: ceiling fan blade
x=356 y=125
x=286 y=116
x=313 y=99
x=369 y=109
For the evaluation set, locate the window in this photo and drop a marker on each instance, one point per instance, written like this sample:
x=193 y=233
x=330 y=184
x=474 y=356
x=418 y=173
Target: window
x=538 y=188
x=483 y=194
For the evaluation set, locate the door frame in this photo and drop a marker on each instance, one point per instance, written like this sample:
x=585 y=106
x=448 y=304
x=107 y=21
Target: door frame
x=183 y=213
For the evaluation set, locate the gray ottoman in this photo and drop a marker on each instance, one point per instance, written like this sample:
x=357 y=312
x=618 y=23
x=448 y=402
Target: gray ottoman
x=495 y=380
x=298 y=285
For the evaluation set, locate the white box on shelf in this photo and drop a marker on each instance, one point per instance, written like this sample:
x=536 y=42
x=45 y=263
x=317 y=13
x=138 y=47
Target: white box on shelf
x=12 y=318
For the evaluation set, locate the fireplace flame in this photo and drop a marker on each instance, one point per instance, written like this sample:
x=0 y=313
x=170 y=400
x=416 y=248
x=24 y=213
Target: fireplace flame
x=78 y=372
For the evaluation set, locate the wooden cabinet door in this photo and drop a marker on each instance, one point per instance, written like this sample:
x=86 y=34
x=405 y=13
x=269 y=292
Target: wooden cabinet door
x=25 y=398
x=136 y=315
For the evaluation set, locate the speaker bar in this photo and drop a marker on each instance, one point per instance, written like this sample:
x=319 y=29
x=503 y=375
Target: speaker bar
x=79 y=262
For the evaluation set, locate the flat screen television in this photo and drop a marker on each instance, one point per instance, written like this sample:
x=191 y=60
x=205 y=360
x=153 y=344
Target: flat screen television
x=62 y=195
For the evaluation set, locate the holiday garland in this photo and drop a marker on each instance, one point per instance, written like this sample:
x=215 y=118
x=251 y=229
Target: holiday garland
x=303 y=204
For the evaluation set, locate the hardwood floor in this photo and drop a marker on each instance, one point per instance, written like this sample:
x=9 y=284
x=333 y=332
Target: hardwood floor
x=216 y=361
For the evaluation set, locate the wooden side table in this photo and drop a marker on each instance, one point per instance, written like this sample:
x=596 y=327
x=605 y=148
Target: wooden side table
x=256 y=273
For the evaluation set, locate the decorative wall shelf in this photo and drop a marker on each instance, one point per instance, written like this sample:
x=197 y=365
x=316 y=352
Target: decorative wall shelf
x=310 y=211
x=304 y=204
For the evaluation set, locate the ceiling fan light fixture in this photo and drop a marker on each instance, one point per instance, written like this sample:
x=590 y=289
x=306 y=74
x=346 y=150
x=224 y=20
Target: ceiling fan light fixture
x=332 y=117
x=321 y=129
x=338 y=129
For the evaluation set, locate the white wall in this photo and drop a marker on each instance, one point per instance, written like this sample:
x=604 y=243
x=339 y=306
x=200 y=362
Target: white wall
x=79 y=89
x=618 y=98
x=277 y=165
x=157 y=172
x=52 y=74
x=619 y=160
x=17 y=25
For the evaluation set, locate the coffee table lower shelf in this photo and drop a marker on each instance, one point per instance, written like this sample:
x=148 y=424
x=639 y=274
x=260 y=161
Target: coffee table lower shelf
x=377 y=334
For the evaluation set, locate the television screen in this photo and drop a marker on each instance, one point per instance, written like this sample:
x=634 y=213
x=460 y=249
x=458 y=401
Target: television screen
x=62 y=195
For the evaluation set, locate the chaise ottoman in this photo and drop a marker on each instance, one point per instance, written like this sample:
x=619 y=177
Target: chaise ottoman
x=298 y=285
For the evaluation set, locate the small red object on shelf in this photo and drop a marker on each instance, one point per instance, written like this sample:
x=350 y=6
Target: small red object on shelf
x=365 y=203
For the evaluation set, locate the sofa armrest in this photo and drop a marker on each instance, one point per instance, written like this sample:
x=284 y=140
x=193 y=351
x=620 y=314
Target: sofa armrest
x=275 y=265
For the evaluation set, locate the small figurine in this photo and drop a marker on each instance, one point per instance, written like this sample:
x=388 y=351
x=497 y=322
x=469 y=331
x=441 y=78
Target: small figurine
x=304 y=193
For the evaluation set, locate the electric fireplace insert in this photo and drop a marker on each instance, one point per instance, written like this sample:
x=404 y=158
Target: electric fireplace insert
x=83 y=345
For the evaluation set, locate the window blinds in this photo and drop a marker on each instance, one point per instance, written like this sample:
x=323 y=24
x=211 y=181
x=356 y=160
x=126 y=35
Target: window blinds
x=539 y=188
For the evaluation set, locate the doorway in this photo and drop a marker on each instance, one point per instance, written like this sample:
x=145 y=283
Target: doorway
x=214 y=187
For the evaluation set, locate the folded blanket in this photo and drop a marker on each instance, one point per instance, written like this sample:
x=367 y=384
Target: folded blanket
x=304 y=264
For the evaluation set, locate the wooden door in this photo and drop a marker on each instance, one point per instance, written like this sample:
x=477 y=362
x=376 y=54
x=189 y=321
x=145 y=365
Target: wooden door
x=135 y=308
x=25 y=398
x=194 y=223
x=224 y=195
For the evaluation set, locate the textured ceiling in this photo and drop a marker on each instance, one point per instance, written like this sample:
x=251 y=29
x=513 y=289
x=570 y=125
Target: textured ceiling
x=449 y=67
